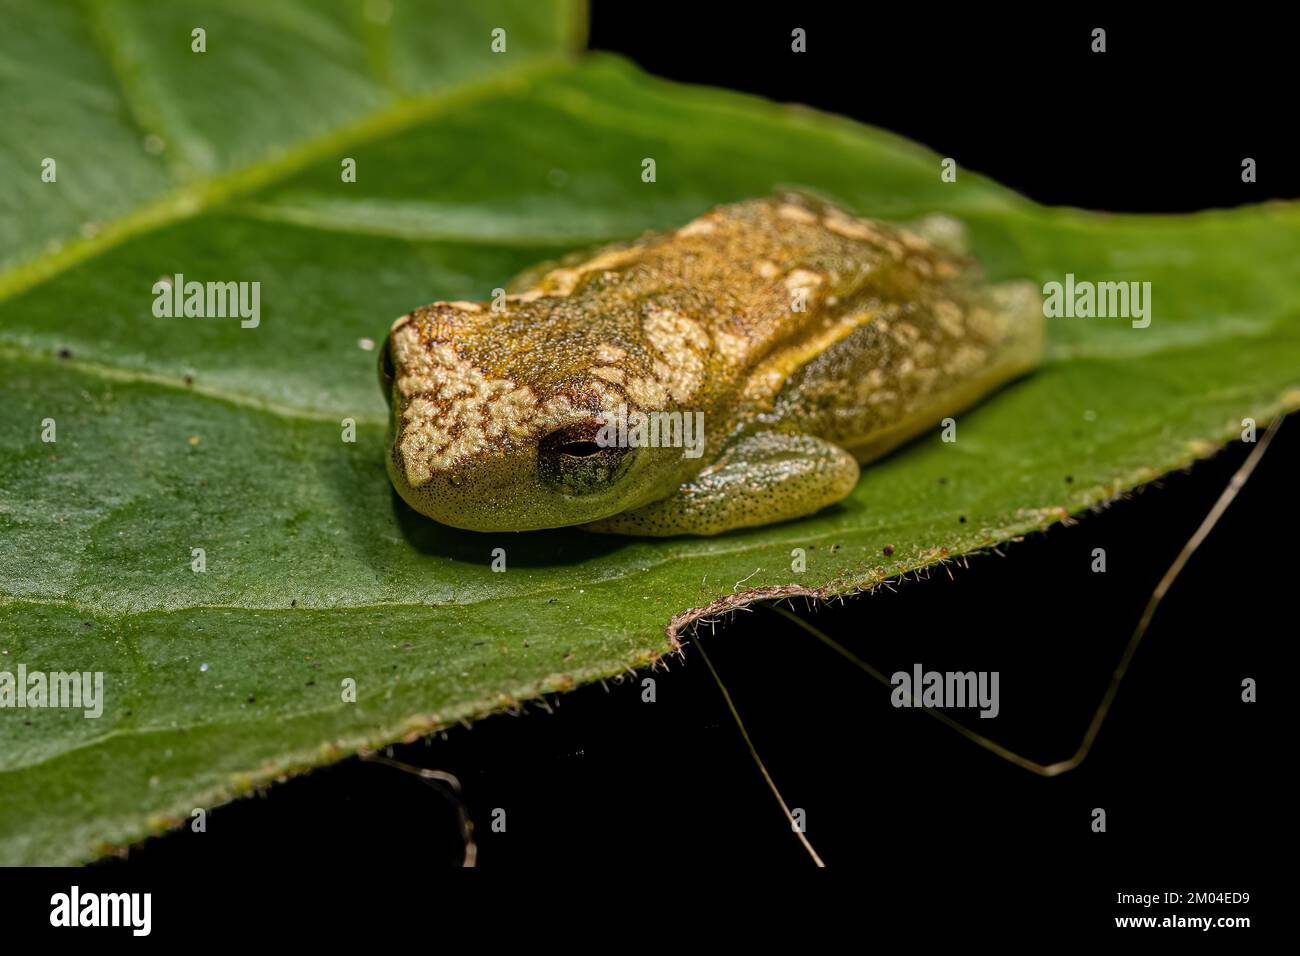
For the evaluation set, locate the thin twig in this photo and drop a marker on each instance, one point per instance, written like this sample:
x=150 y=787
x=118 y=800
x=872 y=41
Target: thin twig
x=757 y=759
x=433 y=778
x=1234 y=486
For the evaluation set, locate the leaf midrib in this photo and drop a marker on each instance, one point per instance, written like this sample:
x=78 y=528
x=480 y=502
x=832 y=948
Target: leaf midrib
x=209 y=192
x=136 y=376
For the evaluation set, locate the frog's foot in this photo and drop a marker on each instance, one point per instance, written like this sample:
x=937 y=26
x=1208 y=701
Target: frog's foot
x=759 y=479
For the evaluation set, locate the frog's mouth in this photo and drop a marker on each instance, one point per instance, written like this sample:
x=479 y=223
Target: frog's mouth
x=507 y=493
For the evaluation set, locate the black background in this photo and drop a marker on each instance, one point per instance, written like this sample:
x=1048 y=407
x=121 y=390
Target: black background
x=1190 y=776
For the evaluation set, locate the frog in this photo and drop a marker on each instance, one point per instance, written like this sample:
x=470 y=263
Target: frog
x=807 y=341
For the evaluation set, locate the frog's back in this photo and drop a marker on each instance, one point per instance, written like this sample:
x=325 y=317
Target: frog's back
x=786 y=308
x=856 y=331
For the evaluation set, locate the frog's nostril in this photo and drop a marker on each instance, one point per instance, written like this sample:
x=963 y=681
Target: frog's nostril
x=386 y=369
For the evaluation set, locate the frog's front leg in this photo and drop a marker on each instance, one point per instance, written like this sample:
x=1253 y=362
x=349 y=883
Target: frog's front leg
x=759 y=478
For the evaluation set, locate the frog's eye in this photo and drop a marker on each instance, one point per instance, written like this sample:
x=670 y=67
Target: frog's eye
x=572 y=460
x=386 y=368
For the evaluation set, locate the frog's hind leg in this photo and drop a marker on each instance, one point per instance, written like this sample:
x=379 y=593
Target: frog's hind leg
x=912 y=364
x=760 y=478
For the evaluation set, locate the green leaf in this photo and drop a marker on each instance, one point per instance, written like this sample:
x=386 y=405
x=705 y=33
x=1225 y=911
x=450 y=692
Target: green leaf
x=176 y=434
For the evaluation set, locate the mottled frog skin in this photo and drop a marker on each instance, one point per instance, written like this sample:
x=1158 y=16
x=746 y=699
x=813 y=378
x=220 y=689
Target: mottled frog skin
x=811 y=340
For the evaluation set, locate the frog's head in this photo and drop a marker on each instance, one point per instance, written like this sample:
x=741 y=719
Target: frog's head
x=488 y=434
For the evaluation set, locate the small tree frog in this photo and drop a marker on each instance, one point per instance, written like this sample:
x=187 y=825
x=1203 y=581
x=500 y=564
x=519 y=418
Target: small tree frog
x=806 y=340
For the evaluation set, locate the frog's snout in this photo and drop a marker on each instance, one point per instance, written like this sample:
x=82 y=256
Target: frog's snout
x=472 y=445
